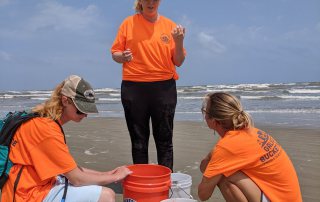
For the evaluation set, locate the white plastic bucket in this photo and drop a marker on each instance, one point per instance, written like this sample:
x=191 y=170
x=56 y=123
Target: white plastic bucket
x=180 y=186
x=179 y=200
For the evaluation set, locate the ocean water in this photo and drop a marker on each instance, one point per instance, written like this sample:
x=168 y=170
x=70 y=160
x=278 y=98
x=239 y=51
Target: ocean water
x=286 y=104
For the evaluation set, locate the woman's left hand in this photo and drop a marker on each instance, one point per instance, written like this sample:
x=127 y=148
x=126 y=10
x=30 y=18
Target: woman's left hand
x=178 y=33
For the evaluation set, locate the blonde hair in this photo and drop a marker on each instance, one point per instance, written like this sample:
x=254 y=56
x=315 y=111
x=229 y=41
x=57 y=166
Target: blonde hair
x=137 y=6
x=228 y=110
x=53 y=107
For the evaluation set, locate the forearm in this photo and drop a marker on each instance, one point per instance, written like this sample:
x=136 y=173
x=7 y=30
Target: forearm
x=83 y=176
x=203 y=192
x=118 y=57
x=90 y=171
x=96 y=179
x=204 y=163
x=207 y=186
x=178 y=57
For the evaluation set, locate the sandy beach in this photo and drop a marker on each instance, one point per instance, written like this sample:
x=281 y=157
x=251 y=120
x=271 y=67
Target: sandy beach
x=104 y=143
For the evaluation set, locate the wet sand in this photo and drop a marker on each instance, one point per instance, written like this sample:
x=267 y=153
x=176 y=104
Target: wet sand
x=104 y=143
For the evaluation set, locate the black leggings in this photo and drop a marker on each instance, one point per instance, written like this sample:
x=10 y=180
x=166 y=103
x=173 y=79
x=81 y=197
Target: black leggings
x=142 y=101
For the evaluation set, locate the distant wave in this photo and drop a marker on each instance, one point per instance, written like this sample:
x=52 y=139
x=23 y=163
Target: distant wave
x=302 y=91
x=109 y=99
x=115 y=94
x=260 y=97
x=280 y=111
x=6 y=96
x=279 y=97
x=197 y=87
x=39 y=98
x=106 y=90
x=199 y=112
x=190 y=98
x=39 y=92
x=243 y=86
x=317 y=111
x=205 y=90
x=13 y=92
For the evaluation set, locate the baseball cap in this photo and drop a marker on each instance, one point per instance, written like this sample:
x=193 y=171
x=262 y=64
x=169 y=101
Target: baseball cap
x=81 y=93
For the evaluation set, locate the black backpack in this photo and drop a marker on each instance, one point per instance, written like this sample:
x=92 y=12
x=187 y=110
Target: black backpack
x=8 y=127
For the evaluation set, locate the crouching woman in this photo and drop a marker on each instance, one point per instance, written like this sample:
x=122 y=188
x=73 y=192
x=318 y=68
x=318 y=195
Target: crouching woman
x=247 y=164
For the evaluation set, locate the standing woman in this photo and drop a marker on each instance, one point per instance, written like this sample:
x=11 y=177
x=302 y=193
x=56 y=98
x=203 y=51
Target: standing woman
x=246 y=164
x=149 y=46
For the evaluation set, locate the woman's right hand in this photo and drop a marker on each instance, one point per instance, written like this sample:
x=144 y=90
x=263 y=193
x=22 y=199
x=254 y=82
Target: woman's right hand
x=121 y=173
x=122 y=57
x=127 y=55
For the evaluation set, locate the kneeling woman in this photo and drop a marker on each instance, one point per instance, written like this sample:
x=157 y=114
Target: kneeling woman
x=246 y=164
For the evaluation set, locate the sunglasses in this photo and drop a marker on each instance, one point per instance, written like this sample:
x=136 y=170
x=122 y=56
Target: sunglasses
x=78 y=112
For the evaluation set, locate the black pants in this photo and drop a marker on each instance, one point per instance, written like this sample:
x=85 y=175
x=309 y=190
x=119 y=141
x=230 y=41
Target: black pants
x=142 y=101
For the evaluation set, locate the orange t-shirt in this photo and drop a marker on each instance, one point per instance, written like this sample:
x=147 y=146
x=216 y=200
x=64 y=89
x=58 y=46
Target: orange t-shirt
x=259 y=156
x=38 y=145
x=152 y=47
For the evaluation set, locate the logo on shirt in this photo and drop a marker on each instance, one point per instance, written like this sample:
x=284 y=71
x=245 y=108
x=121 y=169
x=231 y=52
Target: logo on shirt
x=165 y=38
x=269 y=145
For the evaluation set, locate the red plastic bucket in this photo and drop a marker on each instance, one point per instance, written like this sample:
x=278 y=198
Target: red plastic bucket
x=147 y=183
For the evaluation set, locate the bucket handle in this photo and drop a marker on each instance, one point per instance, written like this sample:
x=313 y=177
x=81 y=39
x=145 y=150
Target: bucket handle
x=190 y=196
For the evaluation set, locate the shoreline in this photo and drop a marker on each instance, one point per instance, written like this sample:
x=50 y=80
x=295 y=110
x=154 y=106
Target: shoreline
x=104 y=143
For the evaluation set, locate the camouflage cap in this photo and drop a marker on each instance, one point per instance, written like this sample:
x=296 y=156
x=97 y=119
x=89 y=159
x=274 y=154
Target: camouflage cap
x=81 y=94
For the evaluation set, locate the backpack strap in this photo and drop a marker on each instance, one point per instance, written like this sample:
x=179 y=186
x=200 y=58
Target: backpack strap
x=64 y=136
x=66 y=181
x=16 y=183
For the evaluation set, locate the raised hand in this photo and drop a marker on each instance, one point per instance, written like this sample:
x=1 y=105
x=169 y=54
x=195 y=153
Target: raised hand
x=178 y=34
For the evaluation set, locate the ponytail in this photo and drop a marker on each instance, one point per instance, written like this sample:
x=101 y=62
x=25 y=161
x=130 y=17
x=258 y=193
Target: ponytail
x=228 y=110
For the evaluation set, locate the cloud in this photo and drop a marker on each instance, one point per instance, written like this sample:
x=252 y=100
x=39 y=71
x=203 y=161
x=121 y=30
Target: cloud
x=254 y=31
x=55 y=16
x=209 y=42
x=5 y=56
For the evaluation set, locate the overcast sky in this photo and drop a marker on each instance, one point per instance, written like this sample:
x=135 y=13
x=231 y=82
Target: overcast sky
x=227 y=41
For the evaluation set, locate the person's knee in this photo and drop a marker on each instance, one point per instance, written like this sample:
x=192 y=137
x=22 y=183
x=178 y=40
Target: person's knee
x=107 y=195
x=246 y=185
